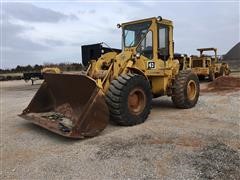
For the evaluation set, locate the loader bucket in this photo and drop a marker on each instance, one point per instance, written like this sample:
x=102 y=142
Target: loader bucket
x=69 y=105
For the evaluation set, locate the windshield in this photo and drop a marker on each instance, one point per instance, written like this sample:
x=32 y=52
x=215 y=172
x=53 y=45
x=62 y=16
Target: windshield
x=133 y=33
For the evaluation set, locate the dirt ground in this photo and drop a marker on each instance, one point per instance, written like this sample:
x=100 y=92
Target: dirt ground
x=198 y=143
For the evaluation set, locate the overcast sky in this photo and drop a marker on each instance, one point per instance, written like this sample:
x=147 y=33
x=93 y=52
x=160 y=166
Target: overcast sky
x=41 y=32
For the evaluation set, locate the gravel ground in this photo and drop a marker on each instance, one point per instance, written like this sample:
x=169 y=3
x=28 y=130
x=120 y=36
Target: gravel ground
x=198 y=143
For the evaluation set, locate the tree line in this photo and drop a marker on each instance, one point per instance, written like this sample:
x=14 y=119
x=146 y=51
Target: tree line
x=37 y=68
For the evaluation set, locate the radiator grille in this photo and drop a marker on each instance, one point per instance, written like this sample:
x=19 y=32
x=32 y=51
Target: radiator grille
x=197 y=63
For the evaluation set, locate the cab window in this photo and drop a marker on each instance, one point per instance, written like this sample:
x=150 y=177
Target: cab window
x=146 y=46
x=163 y=42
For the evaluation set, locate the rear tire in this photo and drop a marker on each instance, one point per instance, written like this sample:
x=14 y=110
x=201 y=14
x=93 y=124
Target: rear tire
x=211 y=76
x=222 y=71
x=129 y=99
x=227 y=71
x=186 y=90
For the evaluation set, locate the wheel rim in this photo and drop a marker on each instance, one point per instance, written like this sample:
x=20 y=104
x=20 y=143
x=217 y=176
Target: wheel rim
x=191 y=90
x=136 y=101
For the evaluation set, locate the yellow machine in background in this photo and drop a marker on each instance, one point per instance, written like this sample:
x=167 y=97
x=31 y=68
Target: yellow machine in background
x=36 y=75
x=184 y=61
x=54 y=70
x=119 y=86
x=208 y=66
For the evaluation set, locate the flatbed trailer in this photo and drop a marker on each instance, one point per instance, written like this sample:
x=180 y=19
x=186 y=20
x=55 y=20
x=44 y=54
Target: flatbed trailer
x=33 y=76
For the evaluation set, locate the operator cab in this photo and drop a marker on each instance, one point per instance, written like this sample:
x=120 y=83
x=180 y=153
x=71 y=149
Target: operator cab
x=151 y=38
x=213 y=58
x=138 y=35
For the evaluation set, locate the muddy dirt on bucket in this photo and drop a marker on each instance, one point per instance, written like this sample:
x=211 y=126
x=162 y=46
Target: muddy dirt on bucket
x=66 y=110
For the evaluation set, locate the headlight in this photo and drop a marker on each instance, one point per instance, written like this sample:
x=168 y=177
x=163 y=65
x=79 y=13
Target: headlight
x=138 y=55
x=159 y=18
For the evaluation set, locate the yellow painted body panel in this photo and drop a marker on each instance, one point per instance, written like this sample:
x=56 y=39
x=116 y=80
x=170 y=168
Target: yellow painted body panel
x=201 y=71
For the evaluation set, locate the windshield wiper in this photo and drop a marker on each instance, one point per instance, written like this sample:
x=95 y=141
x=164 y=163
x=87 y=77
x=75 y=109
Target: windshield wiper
x=138 y=34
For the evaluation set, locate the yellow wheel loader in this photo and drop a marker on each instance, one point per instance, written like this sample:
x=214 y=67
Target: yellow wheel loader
x=116 y=86
x=208 y=66
x=55 y=70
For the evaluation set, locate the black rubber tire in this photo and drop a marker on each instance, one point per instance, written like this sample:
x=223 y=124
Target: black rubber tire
x=222 y=71
x=117 y=99
x=179 y=96
x=227 y=72
x=212 y=76
x=201 y=77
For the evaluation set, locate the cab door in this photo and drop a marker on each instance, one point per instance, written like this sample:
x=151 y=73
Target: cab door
x=163 y=42
x=146 y=46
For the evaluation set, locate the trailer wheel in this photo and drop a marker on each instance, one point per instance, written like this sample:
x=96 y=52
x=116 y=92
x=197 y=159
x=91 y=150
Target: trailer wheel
x=185 y=90
x=129 y=99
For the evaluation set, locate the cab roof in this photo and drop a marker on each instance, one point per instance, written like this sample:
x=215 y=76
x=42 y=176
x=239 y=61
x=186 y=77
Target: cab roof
x=164 y=21
x=207 y=49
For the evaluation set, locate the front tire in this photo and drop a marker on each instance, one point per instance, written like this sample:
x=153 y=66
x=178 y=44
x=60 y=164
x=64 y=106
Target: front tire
x=185 y=90
x=222 y=71
x=201 y=77
x=129 y=99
